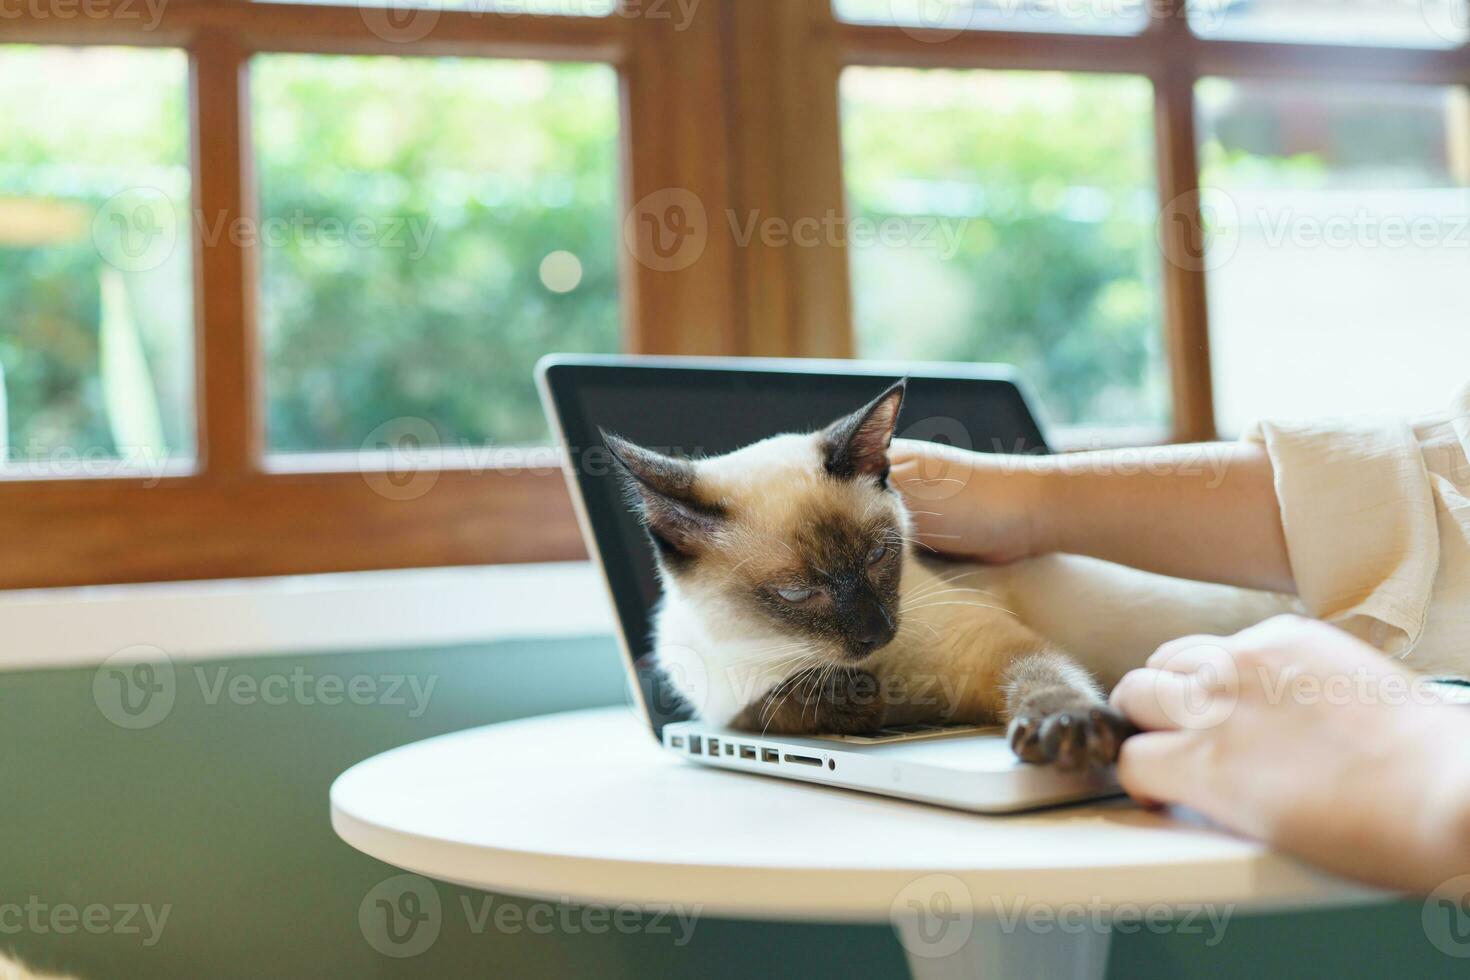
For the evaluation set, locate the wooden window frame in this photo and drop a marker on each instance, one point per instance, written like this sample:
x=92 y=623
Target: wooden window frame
x=738 y=106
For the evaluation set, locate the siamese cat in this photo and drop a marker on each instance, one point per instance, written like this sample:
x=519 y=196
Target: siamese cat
x=795 y=602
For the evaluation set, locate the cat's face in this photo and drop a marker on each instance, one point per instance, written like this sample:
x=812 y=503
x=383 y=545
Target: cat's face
x=801 y=531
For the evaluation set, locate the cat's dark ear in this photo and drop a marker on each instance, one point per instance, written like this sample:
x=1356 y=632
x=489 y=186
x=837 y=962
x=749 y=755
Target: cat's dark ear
x=857 y=444
x=662 y=489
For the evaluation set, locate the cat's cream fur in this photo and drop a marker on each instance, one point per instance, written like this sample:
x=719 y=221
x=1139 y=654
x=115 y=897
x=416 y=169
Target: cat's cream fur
x=958 y=620
x=1032 y=642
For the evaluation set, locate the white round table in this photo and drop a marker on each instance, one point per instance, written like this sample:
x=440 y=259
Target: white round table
x=585 y=807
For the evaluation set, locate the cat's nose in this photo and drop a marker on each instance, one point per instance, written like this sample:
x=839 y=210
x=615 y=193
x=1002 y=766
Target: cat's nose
x=872 y=630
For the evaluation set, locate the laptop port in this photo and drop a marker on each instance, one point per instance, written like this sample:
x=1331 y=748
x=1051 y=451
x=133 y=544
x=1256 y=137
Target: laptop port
x=695 y=746
x=677 y=741
x=770 y=755
x=805 y=760
x=729 y=748
x=747 y=752
x=714 y=746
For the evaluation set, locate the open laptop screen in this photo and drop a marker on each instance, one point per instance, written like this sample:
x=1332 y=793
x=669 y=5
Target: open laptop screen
x=709 y=406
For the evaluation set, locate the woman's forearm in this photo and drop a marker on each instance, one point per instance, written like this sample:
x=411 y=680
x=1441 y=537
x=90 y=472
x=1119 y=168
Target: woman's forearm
x=1202 y=512
x=1206 y=512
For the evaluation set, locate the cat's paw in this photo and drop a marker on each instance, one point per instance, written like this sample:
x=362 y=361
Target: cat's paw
x=817 y=701
x=1070 y=739
x=850 y=703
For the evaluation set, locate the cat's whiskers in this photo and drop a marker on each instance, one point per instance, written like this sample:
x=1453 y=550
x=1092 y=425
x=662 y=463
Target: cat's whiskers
x=935 y=595
x=925 y=601
x=816 y=689
x=796 y=659
x=821 y=686
x=790 y=684
x=772 y=653
x=956 y=602
x=943 y=587
x=910 y=624
x=769 y=698
x=951 y=577
x=781 y=644
x=929 y=588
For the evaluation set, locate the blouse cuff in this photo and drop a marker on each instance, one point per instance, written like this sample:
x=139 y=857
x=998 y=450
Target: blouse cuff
x=1361 y=528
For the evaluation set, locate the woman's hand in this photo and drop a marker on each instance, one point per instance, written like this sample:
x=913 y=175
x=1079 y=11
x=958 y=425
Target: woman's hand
x=1301 y=735
x=965 y=504
x=1204 y=512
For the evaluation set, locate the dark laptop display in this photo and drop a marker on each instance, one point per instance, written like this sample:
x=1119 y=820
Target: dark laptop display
x=711 y=406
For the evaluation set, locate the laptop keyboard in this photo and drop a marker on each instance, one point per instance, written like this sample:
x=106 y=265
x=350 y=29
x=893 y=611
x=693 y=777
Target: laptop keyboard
x=913 y=733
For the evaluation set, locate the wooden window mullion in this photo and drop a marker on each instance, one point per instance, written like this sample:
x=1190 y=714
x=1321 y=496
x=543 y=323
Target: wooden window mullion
x=1180 y=232
x=783 y=67
x=677 y=263
x=228 y=368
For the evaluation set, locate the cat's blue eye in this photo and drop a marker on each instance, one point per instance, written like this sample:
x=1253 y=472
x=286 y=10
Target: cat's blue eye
x=795 y=595
x=877 y=554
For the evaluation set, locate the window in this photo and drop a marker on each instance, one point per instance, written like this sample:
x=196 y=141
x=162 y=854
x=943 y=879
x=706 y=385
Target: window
x=245 y=247
x=1341 y=227
x=1424 y=23
x=430 y=228
x=1017 y=213
x=96 y=351
x=939 y=17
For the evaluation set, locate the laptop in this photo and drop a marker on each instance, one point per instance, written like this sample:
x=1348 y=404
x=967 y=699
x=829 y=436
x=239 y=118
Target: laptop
x=710 y=406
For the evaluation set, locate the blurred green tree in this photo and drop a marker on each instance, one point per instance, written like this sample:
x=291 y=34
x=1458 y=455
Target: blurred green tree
x=407 y=207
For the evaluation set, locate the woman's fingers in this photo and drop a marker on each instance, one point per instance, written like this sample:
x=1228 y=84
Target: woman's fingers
x=1141 y=695
x=1159 y=767
x=1188 y=653
x=1161 y=700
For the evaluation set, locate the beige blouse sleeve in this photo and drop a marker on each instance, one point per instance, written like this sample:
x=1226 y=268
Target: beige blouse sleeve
x=1361 y=530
